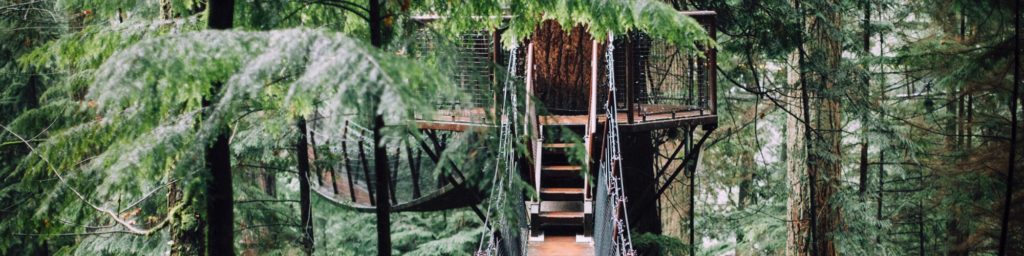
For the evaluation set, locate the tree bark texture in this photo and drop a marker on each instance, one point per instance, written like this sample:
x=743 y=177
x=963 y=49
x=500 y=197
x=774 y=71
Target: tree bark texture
x=797 y=224
x=562 y=60
x=826 y=165
x=638 y=170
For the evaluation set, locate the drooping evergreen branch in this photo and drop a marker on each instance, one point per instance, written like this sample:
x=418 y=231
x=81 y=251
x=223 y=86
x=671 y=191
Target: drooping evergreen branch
x=113 y=215
x=343 y=7
x=267 y=201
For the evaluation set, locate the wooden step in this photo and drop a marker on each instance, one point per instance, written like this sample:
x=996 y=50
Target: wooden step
x=562 y=218
x=557 y=148
x=562 y=206
x=559 y=145
x=561 y=194
x=561 y=170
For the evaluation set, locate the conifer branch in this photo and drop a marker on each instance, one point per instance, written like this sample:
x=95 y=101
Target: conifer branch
x=111 y=214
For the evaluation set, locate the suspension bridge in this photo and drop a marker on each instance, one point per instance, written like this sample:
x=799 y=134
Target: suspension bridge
x=566 y=99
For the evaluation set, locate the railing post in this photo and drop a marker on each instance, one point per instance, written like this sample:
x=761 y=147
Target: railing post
x=713 y=79
x=529 y=116
x=496 y=58
x=629 y=78
x=592 y=118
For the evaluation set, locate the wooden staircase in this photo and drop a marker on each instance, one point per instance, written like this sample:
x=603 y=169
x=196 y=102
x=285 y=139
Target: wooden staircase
x=565 y=205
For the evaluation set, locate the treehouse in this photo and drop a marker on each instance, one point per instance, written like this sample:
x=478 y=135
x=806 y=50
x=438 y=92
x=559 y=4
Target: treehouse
x=576 y=87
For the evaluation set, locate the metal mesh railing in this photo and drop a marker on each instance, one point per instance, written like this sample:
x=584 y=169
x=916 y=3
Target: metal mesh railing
x=611 y=229
x=657 y=77
x=670 y=76
x=507 y=232
x=472 y=72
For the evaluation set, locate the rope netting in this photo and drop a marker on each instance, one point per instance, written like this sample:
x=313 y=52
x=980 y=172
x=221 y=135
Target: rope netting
x=611 y=230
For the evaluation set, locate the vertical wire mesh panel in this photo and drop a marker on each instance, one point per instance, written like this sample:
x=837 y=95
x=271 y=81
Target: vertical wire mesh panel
x=670 y=79
x=471 y=73
x=662 y=78
x=603 y=229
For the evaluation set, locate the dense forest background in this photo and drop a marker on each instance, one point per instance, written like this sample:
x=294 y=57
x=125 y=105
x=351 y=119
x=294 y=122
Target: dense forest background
x=900 y=114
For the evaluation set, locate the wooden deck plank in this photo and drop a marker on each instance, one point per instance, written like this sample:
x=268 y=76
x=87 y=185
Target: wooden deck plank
x=666 y=116
x=559 y=145
x=562 y=168
x=562 y=215
x=565 y=191
x=560 y=246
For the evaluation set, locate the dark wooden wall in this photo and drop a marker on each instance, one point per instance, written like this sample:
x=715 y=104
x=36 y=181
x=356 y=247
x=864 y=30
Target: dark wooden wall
x=562 y=60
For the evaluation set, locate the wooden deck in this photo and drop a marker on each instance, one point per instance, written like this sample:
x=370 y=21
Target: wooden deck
x=560 y=245
x=663 y=117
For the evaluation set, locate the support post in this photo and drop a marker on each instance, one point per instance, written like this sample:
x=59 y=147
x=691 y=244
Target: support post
x=629 y=78
x=530 y=113
x=592 y=120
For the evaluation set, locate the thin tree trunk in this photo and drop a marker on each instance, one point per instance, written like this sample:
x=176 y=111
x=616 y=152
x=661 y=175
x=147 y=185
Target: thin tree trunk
x=414 y=170
x=881 y=187
x=863 y=170
x=969 y=131
x=1012 y=159
x=334 y=180
x=348 y=165
x=867 y=85
x=306 y=221
x=394 y=175
x=312 y=153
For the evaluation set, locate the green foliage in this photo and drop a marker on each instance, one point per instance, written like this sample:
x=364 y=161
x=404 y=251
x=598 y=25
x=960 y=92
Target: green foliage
x=601 y=17
x=665 y=245
x=109 y=98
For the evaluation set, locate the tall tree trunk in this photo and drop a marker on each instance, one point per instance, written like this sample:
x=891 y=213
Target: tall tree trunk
x=638 y=166
x=306 y=221
x=1013 y=133
x=219 y=195
x=796 y=226
x=380 y=164
x=380 y=154
x=826 y=172
x=867 y=87
x=219 y=198
x=187 y=226
x=746 y=181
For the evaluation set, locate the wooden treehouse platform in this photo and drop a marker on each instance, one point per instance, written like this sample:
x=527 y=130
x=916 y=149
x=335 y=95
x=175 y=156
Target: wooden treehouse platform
x=571 y=82
x=667 y=117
